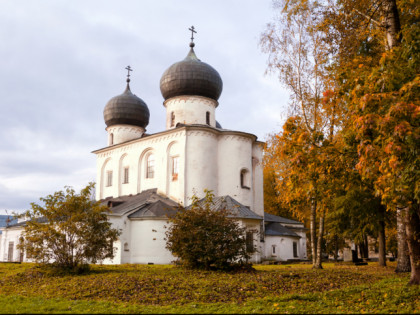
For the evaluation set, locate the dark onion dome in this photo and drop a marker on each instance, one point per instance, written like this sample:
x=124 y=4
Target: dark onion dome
x=127 y=109
x=191 y=76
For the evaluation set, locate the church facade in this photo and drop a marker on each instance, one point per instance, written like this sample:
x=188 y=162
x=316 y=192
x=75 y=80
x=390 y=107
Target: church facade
x=144 y=177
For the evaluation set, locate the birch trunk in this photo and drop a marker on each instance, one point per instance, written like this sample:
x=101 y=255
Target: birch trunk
x=403 y=259
x=313 y=231
x=318 y=262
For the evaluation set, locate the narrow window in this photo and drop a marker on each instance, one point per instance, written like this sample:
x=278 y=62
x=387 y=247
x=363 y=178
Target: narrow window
x=273 y=250
x=126 y=247
x=175 y=167
x=295 y=254
x=244 y=178
x=10 y=253
x=150 y=166
x=109 y=178
x=208 y=118
x=111 y=139
x=126 y=174
x=172 y=119
x=111 y=247
x=249 y=242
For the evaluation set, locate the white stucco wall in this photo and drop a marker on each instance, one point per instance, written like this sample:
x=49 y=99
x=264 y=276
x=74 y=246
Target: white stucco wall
x=134 y=155
x=122 y=133
x=284 y=248
x=148 y=242
x=189 y=109
x=7 y=236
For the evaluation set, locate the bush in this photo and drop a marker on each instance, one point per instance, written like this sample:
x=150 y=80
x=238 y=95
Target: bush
x=207 y=239
x=70 y=230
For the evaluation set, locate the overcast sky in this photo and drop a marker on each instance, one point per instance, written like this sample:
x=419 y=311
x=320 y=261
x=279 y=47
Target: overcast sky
x=61 y=61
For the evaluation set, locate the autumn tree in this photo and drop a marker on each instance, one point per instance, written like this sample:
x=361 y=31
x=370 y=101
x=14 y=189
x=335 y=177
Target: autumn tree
x=373 y=56
x=273 y=203
x=69 y=230
x=203 y=238
x=296 y=52
x=379 y=82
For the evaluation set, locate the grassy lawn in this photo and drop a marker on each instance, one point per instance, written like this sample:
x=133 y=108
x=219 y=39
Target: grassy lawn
x=296 y=288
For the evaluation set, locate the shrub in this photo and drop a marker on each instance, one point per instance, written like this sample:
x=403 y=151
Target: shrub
x=70 y=230
x=203 y=238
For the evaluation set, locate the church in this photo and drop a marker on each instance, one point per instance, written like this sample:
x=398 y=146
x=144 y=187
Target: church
x=144 y=177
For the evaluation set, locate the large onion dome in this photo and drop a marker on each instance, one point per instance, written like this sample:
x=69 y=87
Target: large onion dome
x=126 y=109
x=191 y=76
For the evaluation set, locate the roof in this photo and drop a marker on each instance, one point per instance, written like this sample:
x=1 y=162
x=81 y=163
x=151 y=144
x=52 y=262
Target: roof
x=191 y=76
x=4 y=218
x=274 y=218
x=148 y=203
x=236 y=209
x=276 y=229
x=157 y=209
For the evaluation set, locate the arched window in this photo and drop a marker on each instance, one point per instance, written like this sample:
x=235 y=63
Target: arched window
x=150 y=166
x=172 y=119
x=208 y=118
x=244 y=178
x=126 y=247
x=111 y=139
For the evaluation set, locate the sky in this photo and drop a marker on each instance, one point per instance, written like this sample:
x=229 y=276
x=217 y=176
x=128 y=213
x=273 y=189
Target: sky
x=61 y=61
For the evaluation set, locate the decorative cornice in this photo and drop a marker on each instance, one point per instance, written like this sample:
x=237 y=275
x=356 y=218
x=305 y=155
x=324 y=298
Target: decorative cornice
x=191 y=98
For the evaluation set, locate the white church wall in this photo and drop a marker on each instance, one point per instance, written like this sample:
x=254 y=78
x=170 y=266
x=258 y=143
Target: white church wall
x=122 y=133
x=283 y=248
x=258 y=185
x=254 y=227
x=175 y=170
x=235 y=155
x=134 y=154
x=201 y=156
x=148 y=242
x=189 y=109
x=10 y=235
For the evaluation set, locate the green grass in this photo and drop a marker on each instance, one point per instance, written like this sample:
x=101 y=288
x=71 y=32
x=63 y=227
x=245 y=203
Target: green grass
x=167 y=289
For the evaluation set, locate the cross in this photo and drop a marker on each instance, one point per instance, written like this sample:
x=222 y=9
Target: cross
x=128 y=68
x=192 y=33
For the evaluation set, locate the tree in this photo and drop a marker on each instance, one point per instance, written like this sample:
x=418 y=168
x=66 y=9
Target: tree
x=296 y=52
x=203 y=238
x=373 y=55
x=69 y=230
x=273 y=203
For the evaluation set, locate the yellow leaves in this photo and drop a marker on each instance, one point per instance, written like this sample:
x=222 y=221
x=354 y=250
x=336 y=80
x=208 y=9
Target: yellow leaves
x=393 y=162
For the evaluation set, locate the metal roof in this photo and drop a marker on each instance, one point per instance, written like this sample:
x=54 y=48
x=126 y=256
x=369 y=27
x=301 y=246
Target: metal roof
x=236 y=209
x=268 y=217
x=191 y=76
x=276 y=229
x=126 y=204
x=127 y=109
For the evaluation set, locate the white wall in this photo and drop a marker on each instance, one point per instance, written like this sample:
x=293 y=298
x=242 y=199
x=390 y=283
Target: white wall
x=189 y=109
x=133 y=155
x=148 y=242
x=10 y=235
x=284 y=248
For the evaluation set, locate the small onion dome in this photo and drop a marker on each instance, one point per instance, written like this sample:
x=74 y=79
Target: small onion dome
x=191 y=76
x=126 y=109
